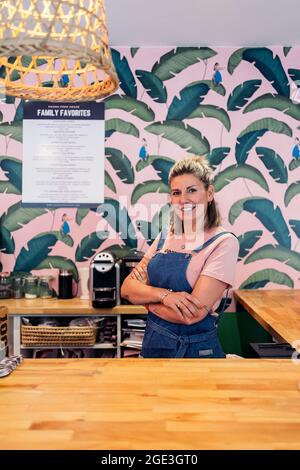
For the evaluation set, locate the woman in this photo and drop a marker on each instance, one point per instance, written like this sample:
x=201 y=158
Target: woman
x=186 y=270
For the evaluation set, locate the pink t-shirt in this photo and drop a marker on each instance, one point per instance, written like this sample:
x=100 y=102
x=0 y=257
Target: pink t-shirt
x=217 y=260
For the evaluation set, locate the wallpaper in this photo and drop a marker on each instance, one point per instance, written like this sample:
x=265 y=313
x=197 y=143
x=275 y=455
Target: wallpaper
x=239 y=107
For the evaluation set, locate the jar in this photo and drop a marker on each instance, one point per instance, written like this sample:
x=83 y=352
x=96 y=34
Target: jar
x=31 y=287
x=45 y=288
x=17 y=287
x=5 y=286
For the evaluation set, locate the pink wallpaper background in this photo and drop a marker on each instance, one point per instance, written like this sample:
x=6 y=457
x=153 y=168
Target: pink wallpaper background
x=284 y=272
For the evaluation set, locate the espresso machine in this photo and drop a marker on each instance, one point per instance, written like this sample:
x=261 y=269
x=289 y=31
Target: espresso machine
x=105 y=280
x=107 y=273
x=128 y=264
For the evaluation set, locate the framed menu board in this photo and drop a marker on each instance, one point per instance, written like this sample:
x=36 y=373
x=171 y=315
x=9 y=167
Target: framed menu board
x=63 y=154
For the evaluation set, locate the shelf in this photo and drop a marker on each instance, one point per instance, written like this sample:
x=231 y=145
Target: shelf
x=54 y=309
x=95 y=346
x=131 y=345
x=59 y=307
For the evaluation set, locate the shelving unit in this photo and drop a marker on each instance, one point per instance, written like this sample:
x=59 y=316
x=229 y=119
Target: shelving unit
x=97 y=346
x=41 y=308
x=132 y=333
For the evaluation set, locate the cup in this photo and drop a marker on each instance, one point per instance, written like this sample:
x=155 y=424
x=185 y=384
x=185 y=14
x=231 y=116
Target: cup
x=84 y=282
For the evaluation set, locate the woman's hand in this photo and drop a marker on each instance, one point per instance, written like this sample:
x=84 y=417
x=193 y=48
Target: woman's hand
x=140 y=272
x=185 y=305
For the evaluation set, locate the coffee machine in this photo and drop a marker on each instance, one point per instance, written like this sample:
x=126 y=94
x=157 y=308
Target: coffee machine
x=107 y=273
x=128 y=264
x=105 y=280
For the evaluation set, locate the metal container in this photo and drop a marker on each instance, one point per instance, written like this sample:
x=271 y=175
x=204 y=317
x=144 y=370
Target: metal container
x=65 y=284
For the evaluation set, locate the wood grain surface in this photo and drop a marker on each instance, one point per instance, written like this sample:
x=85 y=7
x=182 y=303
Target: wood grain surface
x=278 y=311
x=151 y=404
x=64 y=307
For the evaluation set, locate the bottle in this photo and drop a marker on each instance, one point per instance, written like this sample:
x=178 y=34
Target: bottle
x=65 y=284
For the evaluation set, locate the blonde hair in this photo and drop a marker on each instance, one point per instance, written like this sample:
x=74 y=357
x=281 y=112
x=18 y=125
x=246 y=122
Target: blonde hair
x=199 y=167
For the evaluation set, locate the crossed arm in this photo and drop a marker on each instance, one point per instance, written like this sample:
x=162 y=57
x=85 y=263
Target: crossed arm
x=176 y=307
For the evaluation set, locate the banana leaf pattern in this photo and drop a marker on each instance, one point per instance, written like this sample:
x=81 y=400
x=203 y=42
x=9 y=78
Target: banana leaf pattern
x=246 y=126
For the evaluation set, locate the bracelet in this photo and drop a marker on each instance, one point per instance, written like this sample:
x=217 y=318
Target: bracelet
x=164 y=295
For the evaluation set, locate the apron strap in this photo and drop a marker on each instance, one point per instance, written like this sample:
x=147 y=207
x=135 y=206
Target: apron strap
x=208 y=242
x=163 y=236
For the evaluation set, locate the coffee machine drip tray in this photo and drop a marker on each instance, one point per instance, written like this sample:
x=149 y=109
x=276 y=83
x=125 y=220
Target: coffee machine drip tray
x=104 y=297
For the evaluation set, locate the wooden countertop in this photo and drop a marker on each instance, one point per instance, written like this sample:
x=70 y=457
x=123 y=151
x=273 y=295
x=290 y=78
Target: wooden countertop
x=278 y=311
x=64 y=307
x=151 y=404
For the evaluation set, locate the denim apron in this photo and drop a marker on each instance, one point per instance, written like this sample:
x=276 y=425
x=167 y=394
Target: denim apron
x=164 y=339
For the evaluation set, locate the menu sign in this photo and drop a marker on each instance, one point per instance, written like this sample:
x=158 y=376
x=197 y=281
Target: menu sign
x=63 y=154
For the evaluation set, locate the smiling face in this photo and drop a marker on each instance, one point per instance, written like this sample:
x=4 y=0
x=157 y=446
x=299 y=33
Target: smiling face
x=190 y=197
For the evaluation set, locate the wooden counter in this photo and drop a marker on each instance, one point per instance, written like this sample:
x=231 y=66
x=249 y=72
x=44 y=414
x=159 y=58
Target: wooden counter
x=64 y=307
x=151 y=404
x=278 y=311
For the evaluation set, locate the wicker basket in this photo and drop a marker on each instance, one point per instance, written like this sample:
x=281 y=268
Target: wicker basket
x=58 y=335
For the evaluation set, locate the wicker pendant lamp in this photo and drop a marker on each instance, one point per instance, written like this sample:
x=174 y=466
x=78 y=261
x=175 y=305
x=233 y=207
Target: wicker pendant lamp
x=55 y=50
